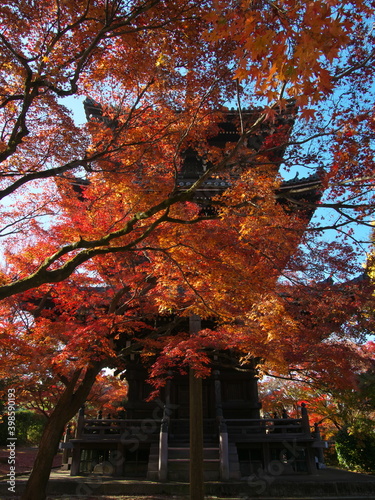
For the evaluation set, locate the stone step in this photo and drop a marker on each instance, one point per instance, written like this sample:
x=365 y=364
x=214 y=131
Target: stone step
x=183 y=463
x=179 y=461
x=184 y=452
x=205 y=460
x=326 y=485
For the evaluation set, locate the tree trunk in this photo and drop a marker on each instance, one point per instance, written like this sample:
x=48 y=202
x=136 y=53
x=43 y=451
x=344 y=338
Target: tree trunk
x=48 y=446
x=67 y=406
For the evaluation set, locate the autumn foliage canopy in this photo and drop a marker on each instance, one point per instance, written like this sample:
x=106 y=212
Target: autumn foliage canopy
x=105 y=253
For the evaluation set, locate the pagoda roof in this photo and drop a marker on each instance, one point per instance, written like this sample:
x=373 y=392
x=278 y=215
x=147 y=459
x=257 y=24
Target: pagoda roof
x=292 y=193
x=301 y=194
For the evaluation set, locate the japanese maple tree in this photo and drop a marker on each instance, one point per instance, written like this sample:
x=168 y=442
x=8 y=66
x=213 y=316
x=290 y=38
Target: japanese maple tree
x=342 y=413
x=99 y=236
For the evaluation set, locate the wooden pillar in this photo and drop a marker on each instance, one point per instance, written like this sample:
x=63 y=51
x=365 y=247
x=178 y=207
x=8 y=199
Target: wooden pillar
x=76 y=455
x=218 y=399
x=67 y=449
x=163 y=437
x=224 y=452
x=119 y=461
x=253 y=393
x=266 y=458
x=223 y=431
x=196 y=425
x=318 y=444
x=76 y=460
x=305 y=419
x=310 y=458
x=80 y=422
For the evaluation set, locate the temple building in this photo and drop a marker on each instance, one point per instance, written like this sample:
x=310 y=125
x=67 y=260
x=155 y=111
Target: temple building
x=152 y=442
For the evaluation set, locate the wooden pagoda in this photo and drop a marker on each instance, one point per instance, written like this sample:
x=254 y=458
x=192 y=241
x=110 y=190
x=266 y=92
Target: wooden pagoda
x=152 y=442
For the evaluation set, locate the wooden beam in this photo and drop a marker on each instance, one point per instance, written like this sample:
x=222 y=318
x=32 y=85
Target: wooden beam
x=196 y=425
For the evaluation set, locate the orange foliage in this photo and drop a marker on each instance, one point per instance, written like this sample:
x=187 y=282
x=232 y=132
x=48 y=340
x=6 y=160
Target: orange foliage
x=92 y=266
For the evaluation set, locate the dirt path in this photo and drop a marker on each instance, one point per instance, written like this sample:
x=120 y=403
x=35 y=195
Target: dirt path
x=24 y=460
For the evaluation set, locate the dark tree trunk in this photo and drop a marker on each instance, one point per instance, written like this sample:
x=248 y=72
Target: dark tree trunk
x=68 y=405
